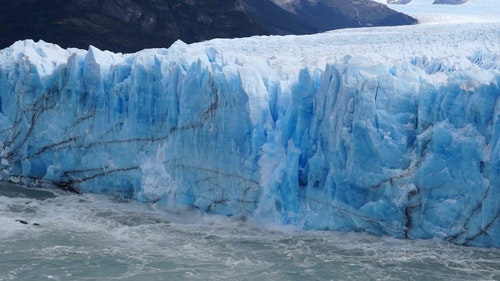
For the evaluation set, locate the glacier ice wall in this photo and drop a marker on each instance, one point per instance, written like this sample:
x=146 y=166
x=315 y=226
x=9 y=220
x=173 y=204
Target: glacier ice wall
x=406 y=147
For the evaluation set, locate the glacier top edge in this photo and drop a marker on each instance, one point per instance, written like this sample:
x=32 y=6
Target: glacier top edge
x=289 y=54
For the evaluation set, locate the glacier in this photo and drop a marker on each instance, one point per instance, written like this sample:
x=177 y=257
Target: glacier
x=393 y=131
x=427 y=11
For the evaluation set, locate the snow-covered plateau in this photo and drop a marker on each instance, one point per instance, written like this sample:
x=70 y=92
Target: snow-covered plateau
x=392 y=130
x=426 y=11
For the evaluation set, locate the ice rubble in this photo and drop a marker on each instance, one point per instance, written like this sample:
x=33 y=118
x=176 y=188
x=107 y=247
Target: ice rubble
x=386 y=130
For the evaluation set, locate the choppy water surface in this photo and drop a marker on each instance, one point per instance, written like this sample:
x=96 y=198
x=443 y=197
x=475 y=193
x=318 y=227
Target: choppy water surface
x=90 y=237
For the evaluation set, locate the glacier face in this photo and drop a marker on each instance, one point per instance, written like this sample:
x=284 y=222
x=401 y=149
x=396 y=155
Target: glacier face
x=398 y=136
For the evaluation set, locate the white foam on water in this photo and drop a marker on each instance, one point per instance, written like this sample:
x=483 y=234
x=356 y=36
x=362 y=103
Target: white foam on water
x=98 y=237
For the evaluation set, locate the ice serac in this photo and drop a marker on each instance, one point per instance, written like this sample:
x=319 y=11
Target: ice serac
x=406 y=146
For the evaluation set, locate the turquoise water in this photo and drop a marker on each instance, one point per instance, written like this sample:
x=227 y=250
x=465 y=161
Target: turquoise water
x=91 y=237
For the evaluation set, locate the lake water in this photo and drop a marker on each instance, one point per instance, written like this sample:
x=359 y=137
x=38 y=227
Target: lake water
x=92 y=237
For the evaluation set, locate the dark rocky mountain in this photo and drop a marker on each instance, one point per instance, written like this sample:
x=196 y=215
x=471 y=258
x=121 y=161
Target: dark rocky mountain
x=122 y=25
x=333 y=14
x=132 y=25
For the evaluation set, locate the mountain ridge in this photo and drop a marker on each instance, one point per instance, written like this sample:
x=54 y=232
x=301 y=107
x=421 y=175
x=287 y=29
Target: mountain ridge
x=133 y=25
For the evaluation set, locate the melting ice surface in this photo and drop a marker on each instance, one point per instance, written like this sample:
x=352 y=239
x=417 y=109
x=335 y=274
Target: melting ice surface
x=385 y=130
